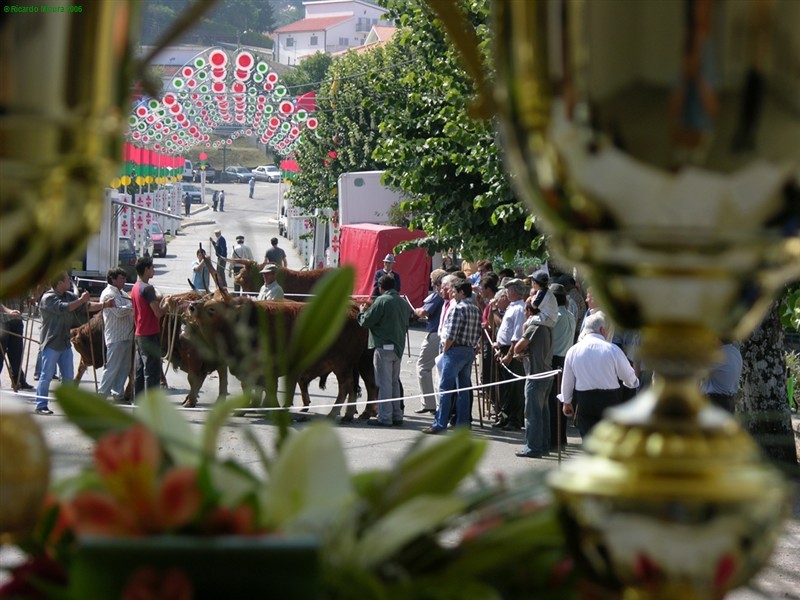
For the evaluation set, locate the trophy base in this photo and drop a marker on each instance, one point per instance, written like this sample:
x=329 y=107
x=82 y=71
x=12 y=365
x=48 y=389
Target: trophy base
x=670 y=507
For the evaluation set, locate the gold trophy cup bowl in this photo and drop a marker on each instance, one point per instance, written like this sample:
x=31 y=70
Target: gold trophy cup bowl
x=24 y=473
x=658 y=143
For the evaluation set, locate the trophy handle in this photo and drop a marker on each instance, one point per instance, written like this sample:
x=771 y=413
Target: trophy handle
x=463 y=36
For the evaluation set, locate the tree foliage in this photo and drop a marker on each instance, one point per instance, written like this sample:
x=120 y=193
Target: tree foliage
x=402 y=108
x=349 y=129
x=309 y=75
x=449 y=163
x=231 y=21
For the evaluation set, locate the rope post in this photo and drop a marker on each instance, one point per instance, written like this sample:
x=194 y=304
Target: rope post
x=559 y=414
x=91 y=348
x=28 y=332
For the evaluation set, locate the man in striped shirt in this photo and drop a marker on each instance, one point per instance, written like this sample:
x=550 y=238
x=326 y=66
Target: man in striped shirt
x=460 y=336
x=118 y=333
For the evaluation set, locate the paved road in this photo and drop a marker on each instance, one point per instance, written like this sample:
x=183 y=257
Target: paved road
x=366 y=447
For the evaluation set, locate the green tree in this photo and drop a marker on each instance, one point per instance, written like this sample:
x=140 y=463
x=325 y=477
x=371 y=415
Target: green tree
x=245 y=15
x=403 y=108
x=448 y=163
x=349 y=129
x=309 y=75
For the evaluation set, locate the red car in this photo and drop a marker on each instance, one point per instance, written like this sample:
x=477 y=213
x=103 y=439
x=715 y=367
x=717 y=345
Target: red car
x=159 y=239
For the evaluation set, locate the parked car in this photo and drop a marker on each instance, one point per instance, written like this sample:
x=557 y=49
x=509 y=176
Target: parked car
x=269 y=173
x=187 y=170
x=127 y=258
x=159 y=239
x=211 y=174
x=236 y=175
x=194 y=192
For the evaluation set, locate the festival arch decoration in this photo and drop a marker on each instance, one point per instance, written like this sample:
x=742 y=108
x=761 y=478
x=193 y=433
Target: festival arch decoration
x=221 y=89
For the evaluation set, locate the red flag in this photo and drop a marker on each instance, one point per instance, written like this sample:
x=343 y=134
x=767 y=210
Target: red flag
x=307 y=101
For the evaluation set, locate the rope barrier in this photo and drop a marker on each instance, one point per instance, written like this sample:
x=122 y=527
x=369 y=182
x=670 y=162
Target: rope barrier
x=544 y=375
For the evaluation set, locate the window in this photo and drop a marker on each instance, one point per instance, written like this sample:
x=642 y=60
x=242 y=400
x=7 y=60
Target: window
x=344 y=41
x=289 y=42
x=314 y=41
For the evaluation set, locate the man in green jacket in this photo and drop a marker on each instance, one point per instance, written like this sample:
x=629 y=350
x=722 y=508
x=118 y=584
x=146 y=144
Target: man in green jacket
x=387 y=321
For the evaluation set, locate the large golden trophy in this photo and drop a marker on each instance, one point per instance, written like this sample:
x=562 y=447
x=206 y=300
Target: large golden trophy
x=659 y=143
x=66 y=70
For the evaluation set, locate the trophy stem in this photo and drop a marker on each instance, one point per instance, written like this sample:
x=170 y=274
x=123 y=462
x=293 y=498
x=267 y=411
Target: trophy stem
x=678 y=354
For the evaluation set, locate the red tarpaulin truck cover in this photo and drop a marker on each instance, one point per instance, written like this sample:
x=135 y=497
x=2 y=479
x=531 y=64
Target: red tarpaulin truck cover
x=364 y=247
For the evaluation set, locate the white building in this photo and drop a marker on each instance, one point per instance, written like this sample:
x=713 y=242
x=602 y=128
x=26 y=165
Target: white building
x=329 y=26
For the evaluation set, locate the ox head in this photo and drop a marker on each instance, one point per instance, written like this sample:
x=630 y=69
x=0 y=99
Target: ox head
x=249 y=278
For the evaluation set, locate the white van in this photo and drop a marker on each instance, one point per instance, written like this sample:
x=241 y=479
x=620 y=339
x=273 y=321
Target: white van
x=188 y=172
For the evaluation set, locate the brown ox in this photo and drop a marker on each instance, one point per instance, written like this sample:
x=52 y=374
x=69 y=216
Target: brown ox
x=292 y=282
x=182 y=353
x=174 y=345
x=234 y=329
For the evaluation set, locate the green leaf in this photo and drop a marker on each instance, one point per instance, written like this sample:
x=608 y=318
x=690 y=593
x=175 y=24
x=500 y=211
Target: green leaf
x=91 y=413
x=309 y=483
x=167 y=423
x=538 y=531
x=436 y=468
x=228 y=482
x=419 y=515
x=321 y=320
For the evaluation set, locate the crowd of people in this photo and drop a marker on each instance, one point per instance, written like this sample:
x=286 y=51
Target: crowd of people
x=525 y=331
x=546 y=352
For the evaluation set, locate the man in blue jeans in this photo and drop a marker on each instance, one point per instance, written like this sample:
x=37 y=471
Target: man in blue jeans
x=56 y=307
x=460 y=337
x=536 y=346
x=387 y=321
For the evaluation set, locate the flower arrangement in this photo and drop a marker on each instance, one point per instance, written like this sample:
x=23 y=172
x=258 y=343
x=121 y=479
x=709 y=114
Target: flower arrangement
x=405 y=532
x=159 y=514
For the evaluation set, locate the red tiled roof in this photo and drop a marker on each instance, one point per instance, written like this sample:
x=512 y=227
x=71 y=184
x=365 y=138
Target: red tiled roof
x=316 y=24
x=384 y=32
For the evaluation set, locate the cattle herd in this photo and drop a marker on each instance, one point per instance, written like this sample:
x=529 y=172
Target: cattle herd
x=220 y=332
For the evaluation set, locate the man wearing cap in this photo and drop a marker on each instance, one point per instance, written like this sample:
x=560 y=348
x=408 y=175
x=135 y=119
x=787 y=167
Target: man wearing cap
x=460 y=338
x=542 y=300
x=271 y=290
x=221 y=250
x=388 y=269
x=275 y=255
x=431 y=309
x=387 y=322
x=239 y=256
x=563 y=338
x=512 y=392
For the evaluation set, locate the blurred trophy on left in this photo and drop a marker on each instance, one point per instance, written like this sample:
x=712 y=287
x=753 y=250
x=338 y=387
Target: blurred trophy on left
x=65 y=73
x=66 y=68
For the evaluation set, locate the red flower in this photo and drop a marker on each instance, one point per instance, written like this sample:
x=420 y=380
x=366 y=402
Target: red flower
x=42 y=568
x=148 y=584
x=726 y=568
x=232 y=521
x=97 y=513
x=128 y=462
x=646 y=569
x=179 y=498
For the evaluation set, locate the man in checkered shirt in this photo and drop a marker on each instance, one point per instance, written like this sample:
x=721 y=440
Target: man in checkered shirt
x=460 y=336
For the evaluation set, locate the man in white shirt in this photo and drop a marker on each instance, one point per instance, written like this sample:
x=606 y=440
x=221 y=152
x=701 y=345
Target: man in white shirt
x=512 y=394
x=593 y=369
x=118 y=333
x=271 y=290
x=240 y=254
